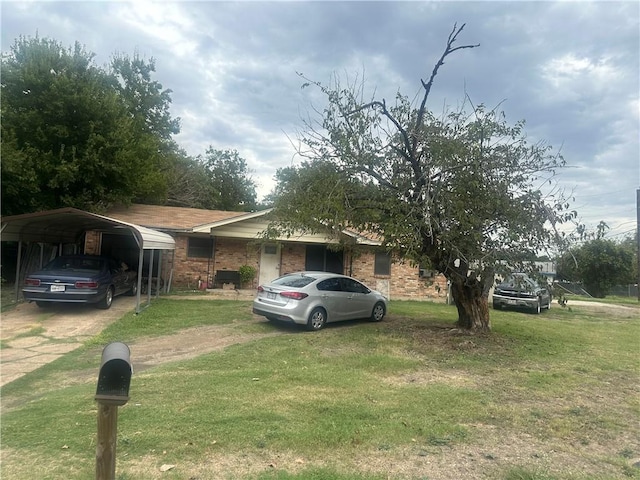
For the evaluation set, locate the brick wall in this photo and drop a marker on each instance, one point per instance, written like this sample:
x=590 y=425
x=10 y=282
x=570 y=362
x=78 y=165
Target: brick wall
x=230 y=253
x=189 y=271
x=92 y=243
x=404 y=283
x=293 y=258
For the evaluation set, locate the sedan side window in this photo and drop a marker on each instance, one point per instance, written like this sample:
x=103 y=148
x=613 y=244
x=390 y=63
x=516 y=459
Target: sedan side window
x=352 y=286
x=330 y=285
x=113 y=266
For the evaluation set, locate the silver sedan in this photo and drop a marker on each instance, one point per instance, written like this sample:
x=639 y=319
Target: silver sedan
x=316 y=298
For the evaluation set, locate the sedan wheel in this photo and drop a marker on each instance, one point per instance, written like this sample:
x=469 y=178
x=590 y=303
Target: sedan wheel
x=317 y=319
x=133 y=291
x=378 y=312
x=107 y=300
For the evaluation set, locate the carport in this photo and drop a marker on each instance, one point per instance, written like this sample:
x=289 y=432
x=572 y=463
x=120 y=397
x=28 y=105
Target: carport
x=66 y=226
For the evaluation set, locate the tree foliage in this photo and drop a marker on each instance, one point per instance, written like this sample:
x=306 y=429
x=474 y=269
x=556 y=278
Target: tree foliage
x=219 y=180
x=75 y=134
x=229 y=179
x=70 y=134
x=600 y=263
x=460 y=192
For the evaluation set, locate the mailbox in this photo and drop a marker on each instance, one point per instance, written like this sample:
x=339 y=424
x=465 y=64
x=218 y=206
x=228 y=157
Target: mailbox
x=115 y=375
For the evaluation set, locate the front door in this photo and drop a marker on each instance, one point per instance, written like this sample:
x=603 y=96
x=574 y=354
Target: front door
x=269 y=263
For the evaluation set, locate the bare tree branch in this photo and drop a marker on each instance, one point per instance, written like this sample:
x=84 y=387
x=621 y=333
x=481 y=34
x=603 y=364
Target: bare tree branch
x=427 y=86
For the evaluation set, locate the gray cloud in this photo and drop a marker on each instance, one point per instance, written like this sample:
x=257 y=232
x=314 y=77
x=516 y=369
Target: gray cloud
x=571 y=69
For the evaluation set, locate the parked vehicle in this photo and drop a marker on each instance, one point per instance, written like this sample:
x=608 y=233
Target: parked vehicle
x=521 y=291
x=317 y=298
x=80 y=279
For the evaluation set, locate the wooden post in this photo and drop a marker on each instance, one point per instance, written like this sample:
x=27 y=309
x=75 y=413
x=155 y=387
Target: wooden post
x=106 y=445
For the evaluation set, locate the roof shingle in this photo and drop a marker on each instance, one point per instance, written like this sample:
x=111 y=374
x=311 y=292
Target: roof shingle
x=161 y=217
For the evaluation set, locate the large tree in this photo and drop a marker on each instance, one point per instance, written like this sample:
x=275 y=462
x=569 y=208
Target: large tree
x=74 y=134
x=459 y=192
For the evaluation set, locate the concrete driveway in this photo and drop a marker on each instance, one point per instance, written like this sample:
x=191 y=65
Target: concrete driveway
x=33 y=336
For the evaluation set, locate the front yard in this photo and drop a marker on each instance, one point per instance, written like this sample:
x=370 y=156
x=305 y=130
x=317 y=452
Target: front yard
x=554 y=396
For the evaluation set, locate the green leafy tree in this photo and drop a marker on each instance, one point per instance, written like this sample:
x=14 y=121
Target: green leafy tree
x=149 y=104
x=459 y=192
x=73 y=134
x=229 y=181
x=147 y=101
x=600 y=263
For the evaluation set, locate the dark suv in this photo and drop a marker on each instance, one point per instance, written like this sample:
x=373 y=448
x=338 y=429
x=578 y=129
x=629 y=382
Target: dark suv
x=521 y=291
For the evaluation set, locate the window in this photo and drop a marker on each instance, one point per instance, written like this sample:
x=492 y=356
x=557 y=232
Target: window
x=200 y=247
x=425 y=271
x=271 y=249
x=382 y=264
x=330 y=285
x=297 y=281
x=352 y=286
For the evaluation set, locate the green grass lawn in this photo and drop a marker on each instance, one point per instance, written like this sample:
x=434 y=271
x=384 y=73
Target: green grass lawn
x=554 y=396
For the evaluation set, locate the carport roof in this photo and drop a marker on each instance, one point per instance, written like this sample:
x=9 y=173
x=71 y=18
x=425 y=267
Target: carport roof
x=65 y=225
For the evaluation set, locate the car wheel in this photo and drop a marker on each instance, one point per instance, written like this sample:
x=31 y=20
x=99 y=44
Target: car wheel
x=107 y=300
x=317 y=319
x=377 y=314
x=133 y=290
x=538 y=307
x=497 y=306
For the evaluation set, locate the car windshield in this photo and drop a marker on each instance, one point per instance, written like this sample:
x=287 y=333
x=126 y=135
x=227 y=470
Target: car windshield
x=75 y=263
x=519 y=282
x=296 y=281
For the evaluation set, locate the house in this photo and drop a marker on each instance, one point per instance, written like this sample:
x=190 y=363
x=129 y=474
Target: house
x=211 y=246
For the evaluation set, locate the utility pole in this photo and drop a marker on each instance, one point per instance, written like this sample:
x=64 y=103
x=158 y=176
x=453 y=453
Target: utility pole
x=638 y=237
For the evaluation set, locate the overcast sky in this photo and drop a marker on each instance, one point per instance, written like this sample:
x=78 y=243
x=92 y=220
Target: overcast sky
x=570 y=69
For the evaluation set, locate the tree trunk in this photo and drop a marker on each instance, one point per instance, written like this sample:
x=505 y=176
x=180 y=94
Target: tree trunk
x=472 y=305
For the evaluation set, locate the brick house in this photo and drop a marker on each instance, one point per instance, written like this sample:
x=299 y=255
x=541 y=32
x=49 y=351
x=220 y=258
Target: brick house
x=208 y=242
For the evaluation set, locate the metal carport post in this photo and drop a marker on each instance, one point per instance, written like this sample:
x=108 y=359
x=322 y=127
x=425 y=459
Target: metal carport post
x=148 y=239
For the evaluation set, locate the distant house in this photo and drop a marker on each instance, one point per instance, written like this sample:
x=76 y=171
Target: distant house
x=211 y=245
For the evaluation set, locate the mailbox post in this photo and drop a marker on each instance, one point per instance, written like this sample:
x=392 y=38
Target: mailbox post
x=112 y=391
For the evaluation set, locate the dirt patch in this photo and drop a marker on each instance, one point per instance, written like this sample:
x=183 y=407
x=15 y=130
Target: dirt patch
x=186 y=344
